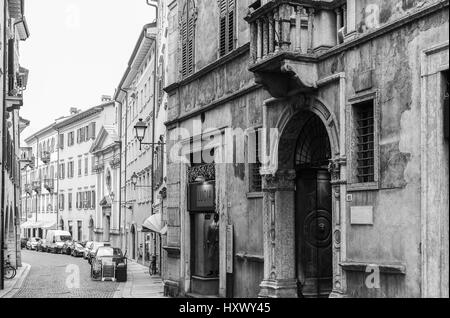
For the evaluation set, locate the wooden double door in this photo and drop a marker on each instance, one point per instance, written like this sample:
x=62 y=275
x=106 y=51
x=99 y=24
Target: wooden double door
x=313 y=233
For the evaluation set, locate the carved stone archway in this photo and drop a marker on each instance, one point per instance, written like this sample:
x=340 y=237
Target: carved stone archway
x=279 y=176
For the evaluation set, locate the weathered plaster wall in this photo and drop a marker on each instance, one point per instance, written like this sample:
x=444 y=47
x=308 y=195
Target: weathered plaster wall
x=395 y=235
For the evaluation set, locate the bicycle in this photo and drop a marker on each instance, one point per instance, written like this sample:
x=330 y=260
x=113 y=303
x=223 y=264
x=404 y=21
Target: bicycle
x=9 y=271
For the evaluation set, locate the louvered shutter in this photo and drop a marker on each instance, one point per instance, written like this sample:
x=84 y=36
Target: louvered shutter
x=187 y=39
x=227 y=20
x=191 y=39
x=223 y=27
x=231 y=13
x=184 y=32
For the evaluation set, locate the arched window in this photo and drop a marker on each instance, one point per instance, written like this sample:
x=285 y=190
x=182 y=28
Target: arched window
x=187 y=35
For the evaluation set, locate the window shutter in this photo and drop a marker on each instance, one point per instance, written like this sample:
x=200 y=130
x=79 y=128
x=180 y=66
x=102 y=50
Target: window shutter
x=187 y=39
x=93 y=131
x=223 y=27
x=231 y=12
x=93 y=200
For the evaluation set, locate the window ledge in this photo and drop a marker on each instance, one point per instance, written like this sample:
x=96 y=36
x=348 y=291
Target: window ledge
x=391 y=268
x=370 y=186
x=255 y=195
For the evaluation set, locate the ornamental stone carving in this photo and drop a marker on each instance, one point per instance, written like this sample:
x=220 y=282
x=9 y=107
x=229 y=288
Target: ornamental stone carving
x=283 y=180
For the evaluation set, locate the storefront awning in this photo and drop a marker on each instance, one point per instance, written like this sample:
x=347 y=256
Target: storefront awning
x=46 y=225
x=154 y=224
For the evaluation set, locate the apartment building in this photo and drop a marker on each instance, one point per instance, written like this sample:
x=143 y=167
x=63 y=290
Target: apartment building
x=77 y=176
x=137 y=96
x=40 y=183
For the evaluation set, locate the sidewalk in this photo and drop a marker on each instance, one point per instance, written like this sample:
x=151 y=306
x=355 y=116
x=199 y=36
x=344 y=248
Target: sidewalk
x=12 y=286
x=140 y=284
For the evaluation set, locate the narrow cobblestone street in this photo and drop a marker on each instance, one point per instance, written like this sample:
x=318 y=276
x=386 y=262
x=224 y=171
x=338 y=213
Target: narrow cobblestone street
x=47 y=278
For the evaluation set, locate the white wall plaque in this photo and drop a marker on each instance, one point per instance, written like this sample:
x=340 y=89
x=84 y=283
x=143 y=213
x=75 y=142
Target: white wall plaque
x=361 y=215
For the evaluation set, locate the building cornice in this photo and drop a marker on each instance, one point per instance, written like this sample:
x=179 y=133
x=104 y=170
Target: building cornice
x=83 y=115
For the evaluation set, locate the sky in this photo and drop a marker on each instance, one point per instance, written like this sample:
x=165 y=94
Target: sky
x=78 y=50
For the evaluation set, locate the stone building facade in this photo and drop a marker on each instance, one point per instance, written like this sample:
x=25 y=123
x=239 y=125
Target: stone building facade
x=13 y=79
x=40 y=183
x=350 y=198
x=140 y=99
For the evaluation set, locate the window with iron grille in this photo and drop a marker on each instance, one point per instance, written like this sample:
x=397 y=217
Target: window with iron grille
x=365 y=141
x=187 y=33
x=255 y=163
x=227 y=26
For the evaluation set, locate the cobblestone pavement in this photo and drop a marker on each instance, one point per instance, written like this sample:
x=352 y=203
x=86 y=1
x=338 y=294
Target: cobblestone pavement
x=48 y=278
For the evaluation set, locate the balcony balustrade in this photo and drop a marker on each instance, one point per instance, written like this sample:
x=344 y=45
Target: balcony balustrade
x=286 y=38
x=28 y=189
x=37 y=186
x=49 y=185
x=45 y=157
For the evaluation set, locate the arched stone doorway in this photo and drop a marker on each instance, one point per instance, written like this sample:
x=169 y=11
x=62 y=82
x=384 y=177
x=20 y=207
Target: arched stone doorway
x=313 y=210
x=299 y=209
x=133 y=242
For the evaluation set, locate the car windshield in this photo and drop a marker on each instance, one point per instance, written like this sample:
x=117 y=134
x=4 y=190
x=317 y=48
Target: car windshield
x=109 y=252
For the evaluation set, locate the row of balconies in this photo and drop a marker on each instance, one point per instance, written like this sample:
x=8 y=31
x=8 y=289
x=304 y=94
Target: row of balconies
x=36 y=186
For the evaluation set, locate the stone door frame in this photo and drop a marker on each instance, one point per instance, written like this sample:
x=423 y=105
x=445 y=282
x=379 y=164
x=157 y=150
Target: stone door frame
x=434 y=197
x=280 y=279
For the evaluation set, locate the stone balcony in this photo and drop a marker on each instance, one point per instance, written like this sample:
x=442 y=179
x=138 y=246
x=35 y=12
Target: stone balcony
x=45 y=157
x=49 y=185
x=285 y=39
x=28 y=189
x=37 y=186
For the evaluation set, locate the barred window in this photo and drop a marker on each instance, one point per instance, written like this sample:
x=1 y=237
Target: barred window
x=255 y=163
x=227 y=28
x=365 y=141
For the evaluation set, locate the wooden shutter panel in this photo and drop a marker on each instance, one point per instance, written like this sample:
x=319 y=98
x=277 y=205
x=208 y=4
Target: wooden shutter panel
x=223 y=27
x=230 y=35
x=184 y=37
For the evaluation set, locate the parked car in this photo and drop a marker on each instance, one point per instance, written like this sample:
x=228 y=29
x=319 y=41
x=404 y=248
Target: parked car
x=94 y=249
x=23 y=242
x=77 y=250
x=32 y=243
x=56 y=238
x=67 y=247
x=42 y=246
x=87 y=249
x=109 y=263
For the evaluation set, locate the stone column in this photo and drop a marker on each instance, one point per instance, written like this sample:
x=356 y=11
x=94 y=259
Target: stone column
x=271 y=33
x=259 y=39
x=338 y=23
x=298 y=28
x=276 y=16
x=279 y=236
x=310 y=30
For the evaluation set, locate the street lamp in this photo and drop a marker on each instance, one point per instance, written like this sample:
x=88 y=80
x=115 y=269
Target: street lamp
x=134 y=180
x=140 y=130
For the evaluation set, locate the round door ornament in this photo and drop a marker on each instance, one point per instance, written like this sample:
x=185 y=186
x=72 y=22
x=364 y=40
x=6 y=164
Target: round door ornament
x=318 y=228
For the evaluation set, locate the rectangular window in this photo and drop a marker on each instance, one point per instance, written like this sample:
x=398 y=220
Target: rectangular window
x=61 y=202
x=62 y=171
x=70 y=227
x=254 y=161
x=87 y=204
x=86 y=166
x=227 y=21
x=69 y=201
x=61 y=141
x=365 y=142
x=93 y=165
x=70 y=139
x=70 y=170
x=93 y=200
x=80 y=230
x=80 y=168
